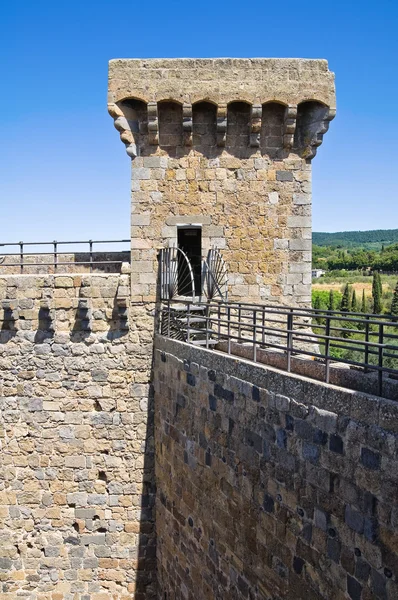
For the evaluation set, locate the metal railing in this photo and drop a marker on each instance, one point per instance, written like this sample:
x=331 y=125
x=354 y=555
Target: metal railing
x=365 y=341
x=56 y=253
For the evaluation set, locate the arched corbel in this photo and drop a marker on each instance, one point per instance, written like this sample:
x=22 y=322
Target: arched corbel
x=153 y=124
x=289 y=126
x=123 y=126
x=221 y=124
x=313 y=120
x=317 y=140
x=255 y=125
x=187 y=123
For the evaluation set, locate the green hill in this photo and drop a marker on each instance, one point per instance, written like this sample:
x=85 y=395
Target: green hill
x=373 y=239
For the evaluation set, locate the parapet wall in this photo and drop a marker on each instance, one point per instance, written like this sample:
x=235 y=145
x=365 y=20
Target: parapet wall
x=222 y=80
x=76 y=469
x=73 y=262
x=270 y=485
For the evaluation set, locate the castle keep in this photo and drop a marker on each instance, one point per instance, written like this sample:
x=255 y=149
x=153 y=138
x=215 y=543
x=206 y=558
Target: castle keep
x=224 y=145
x=135 y=465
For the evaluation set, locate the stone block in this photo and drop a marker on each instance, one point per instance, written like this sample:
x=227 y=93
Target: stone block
x=63 y=282
x=75 y=462
x=139 y=173
x=273 y=197
x=141 y=220
x=301 y=199
x=154 y=162
x=320 y=519
x=388 y=415
x=281 y=244
x=299 y=222
x=298 y=244
x=284 y=176
x=311 y=452
x=354 y=588
x=354 y=519
x=323 y=419
x=370 y=459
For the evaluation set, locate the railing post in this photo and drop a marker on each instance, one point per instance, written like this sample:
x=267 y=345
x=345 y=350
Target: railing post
x=289 y=338
x=381 y=350
x=366 y=345
x=327 y=347
x=239 y=320
x=229 y=328
x=169 y=317
x=21 y=255
x=91 y=255
x=219 y=320
x=263 y=326
x=207 y=325
x=188 y=323
x=55 y=255
x=254 y=335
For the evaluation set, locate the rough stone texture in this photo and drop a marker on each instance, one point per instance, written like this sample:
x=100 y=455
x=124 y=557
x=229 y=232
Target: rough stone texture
x=76 y=469
x=339 y=374
x=270 y=485
x=229 y=141
x=261 y=80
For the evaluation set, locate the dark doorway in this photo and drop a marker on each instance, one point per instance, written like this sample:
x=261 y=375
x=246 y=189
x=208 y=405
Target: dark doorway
x=189 y=240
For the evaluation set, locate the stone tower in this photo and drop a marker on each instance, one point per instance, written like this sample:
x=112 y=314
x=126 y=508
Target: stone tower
x=221 y=155
x=221 y=151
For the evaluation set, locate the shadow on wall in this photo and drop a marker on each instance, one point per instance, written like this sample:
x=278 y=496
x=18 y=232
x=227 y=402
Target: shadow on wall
x=8 y=326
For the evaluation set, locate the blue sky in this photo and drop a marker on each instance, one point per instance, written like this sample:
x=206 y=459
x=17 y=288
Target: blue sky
x=63 y=171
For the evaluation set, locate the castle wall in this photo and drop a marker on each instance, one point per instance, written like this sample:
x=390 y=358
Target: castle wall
x=76 y=468
x=270 y=485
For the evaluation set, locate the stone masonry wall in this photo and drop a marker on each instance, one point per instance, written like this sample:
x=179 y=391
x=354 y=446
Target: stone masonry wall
x=76 y=469
x=256 y=211
x=269 y=485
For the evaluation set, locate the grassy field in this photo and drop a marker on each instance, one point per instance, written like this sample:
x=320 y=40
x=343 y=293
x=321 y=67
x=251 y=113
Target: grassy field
x=358 y=283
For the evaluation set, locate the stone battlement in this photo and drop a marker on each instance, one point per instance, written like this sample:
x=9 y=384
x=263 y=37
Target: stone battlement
x=303 y=89
x=222 y=80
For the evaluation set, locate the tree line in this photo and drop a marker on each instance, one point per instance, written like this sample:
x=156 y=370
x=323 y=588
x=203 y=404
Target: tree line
x=351 y=260
x=349 y=302
x=353 y=238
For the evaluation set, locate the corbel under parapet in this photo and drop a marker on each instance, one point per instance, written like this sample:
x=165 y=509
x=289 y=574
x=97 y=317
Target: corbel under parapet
x=187 y=123
x=153 y=124
x=124 y=128
x=315 y=133
x=255 y=125
x=289 y=126
x=221 y=124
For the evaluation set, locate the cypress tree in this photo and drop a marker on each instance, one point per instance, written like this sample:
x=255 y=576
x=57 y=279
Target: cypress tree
x=345 y=301
x=377 y=293
x=331 y=303
x=354 y=303
x=363 y=309
x=363 y=305
x=394 y=303
x=317 y=306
